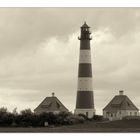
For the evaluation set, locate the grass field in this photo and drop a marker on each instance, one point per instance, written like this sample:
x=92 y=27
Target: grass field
x=114 y=126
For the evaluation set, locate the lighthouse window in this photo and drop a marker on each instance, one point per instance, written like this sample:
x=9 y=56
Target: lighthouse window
x=84 y=29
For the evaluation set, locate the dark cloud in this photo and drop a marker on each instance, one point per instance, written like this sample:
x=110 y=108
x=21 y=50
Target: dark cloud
x=39 y=53
x=26 y=27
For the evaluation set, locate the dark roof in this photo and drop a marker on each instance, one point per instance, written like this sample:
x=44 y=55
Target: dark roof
x=120 y=102
x=85 y=25
x=50 y=104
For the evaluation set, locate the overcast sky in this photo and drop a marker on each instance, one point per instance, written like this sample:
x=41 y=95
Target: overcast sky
x=39 y=53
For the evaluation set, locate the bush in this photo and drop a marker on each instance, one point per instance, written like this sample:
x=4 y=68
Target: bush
x=131 y=118
x=75 y=119
x=97 y=118
x=6 y=119
x=3 y=110
x=26 y=112
x=84 y=116
x=27 y=118
x=47 y=117
x=36 y=120
x=62 y=118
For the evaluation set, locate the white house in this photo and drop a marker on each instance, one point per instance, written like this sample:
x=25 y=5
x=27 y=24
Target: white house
x=50 y=104
x=119 y=107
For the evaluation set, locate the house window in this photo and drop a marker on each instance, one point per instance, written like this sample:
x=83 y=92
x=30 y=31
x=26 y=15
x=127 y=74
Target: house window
x=107 y=114
x=135 y=113
x=87 y=114
x=130 y=113
x=128 y=104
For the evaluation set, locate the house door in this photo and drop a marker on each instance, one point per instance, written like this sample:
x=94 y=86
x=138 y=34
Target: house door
x=111 y=117
x=87 y=114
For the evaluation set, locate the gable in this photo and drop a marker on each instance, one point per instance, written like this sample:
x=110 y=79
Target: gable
x=120 y=102
x=51 y=104
x=128 y=105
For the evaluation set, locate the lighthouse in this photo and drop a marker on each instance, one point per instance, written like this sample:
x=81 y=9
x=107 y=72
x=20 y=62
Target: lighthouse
x=85 y=98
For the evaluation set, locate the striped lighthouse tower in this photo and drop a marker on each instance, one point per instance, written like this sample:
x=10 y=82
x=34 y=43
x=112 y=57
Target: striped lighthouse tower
x=85 y=101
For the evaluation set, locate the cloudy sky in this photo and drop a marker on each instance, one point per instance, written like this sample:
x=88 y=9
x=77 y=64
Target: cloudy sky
x=39 y=53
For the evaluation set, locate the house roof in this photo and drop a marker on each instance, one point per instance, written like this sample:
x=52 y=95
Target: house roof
x=50 y=104
x=120 y=102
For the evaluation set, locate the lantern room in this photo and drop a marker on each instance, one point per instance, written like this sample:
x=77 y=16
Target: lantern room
x=85 y=32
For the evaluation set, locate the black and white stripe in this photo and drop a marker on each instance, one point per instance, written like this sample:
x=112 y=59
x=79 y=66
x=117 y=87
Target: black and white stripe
x=85 y=70
x=85 y=87
x=84 y=45
x=85 y=100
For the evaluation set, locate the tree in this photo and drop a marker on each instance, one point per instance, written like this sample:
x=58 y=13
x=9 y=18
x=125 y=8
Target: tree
x=26 y=112
x=25 y=118
x=62 y=118
x=97 y=117
x=3 y=110
x=15 y=111
x=6 y=118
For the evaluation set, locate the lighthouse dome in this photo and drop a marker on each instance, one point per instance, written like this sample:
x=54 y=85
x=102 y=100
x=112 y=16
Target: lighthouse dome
x=85 y=25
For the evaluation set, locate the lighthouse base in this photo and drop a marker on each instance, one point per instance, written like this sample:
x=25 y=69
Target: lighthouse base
x=88 y=112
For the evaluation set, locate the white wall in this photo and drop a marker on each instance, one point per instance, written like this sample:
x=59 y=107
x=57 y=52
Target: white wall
x=91 y=112
x=120 y=114
x=39 y=112
x=85 y=84
x=85 y=56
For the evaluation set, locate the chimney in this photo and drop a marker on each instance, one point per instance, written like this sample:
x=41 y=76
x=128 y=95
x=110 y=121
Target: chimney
x=121 y=92
x=53 y=94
